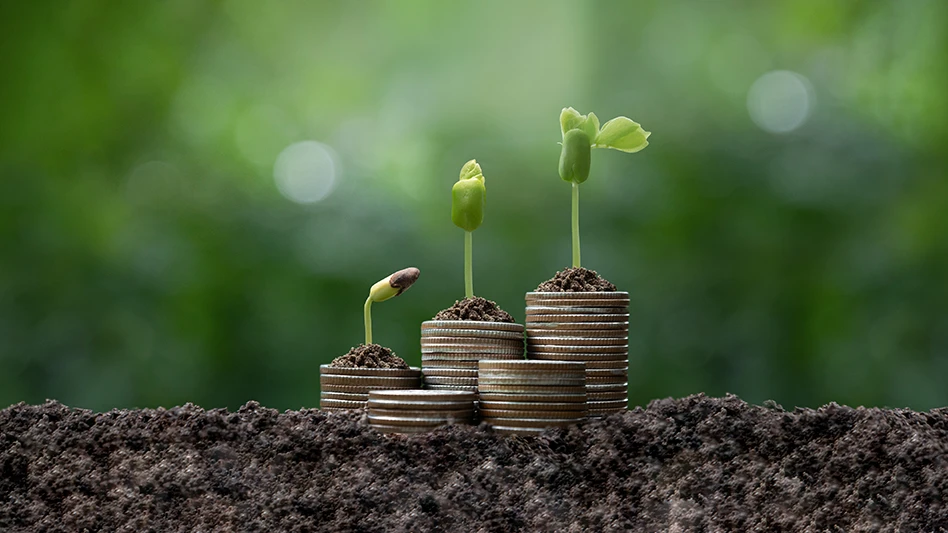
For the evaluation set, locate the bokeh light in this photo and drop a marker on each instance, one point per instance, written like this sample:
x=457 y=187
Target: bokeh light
x=780 y=101
x=305 y=172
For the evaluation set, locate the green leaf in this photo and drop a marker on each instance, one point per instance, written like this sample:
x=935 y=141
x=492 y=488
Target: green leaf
x=623 y=134
x=570 y=119
x=575 y=156
x=591 y=126
x=468 y=197
x=471 y=170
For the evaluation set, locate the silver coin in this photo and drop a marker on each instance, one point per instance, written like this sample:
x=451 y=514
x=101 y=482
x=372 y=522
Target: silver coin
x=527 y=365
x=577 y=341
x=621 y=363
x=340 y=404
x=533 y=422
x=530 y=389
x=430 y=364
x=362 y=381
x=535 y=310
x=470 y=341
x=441 y=356
x=471 y=324
x=532 y=406
x=470 y=349
x=350 y=396
x=578 y=356
x=378 y=372
x=602 y=380
x=575 y=318
x=427 y=414
x=449 y=380
x=494 y=414
x=415 y=395
x=471 y=333
x=609 y=404
x=579 y=398
x=536 y=327
x=594 y=373
x=416 y=420
x=450 y=372
x=594 y=387
x=419 y=404
x=360 y=389
x=566 y=303
x=588 y=295
x=400 y=430
x=607 y=396
x=484 y=382
x=550 y=348
x=465 y=388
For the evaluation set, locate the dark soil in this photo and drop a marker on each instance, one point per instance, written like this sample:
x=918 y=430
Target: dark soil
x=475 y=308
x=369 y=356
x=576 y=280
x=696 y=464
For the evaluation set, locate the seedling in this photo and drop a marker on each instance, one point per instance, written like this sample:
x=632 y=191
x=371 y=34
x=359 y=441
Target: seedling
x=386 y=288
x=581 y=133
x=468 y=197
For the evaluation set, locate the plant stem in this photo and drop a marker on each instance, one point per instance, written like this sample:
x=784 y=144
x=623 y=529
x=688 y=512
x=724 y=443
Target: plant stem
x=368 y=320
x=576 y=225
x=468 y=264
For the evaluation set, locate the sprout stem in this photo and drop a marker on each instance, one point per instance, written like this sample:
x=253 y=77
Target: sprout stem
x=468 y=264
x=368 y=320
x=576 y=225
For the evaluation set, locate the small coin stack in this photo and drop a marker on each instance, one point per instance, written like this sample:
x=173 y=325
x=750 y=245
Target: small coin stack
x=592 y=327
x=348 y=387
x=419 y=410
x=450 y=350
x=527 y=397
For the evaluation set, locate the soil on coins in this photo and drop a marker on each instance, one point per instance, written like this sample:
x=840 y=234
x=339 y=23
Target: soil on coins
x=694 y=464
x=369 y=356
x=475 y=308
x=576 y=280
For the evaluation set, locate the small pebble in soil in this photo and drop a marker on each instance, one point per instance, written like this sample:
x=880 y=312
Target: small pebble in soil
x=475 y=308
x=576 y=279
x=369 y=356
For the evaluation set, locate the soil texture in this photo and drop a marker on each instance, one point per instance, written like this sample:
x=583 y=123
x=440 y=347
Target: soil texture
x=369 y=356
x=576 y=280
x=475 y=308
x=694 y=464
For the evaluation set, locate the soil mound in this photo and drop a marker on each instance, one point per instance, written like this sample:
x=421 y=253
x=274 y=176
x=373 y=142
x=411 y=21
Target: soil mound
x=475 y=308
x=695 y=464
x=576 y=280
x=369 y=356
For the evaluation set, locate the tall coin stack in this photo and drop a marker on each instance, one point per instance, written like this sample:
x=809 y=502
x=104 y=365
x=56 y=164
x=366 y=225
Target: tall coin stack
x=527 y=397
x=348 y=387
x=592 y=327
x=418 y=411
x=450 y=350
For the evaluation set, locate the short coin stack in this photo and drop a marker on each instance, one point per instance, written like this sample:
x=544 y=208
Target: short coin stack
x=418 y=411
x=450 y=350
x=592 y=327
x=527 y=397
x=348 y=387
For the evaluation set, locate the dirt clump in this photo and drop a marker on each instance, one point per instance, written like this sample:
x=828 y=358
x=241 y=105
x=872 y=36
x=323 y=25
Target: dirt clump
x=475 y=308
x=369 y=356
x=694 y=464
x=576 y=280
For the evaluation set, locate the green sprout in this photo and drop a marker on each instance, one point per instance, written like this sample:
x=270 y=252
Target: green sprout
x=581 y=133
x=468 y=197
x=384 y=289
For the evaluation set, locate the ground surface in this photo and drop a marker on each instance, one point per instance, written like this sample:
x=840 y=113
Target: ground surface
x=576 y=279
x=474 y=308
x=369 y=356
x=696 y=464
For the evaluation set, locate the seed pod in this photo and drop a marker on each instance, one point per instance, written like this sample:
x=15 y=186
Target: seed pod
x=468 y=197
x=575 y=157
x=392 y=286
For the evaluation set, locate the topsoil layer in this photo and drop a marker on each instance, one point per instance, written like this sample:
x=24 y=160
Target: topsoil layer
x=369 y=356
x=696 y=464
x=475 y=308
x=576 y=279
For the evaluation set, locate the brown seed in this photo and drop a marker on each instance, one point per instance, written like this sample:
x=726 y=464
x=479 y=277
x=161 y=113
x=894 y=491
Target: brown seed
x=378 y=372
x=562 y=415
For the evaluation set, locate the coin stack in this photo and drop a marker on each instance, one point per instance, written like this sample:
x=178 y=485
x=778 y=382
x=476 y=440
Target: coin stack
x=450 y=350
x=419 y=410
x=527 y=397
x=348 y=387
x=592 y=327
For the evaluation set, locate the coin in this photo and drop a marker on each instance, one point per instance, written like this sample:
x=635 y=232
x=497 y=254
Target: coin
x=361 y=389
x=466 y=356
x=403 y=430
x=533 y=422
x=450 y=372
x=445 y=414
x=593 y=387
x=450 y=380
x=466 y=364
x=579 y=398
x=612 y=404
x=380 y=372
x=471 y=333
x=607 y=372
x=513 y=381
x=470 y=349
x=367 y=381
x=471 y=341
x=466 y=388
x=529 y=389
x=340 y=404
x=607 y=396
x=597 y=295
x=336 y=409
x=415 y=421
x=549 y=348
x=585 y=357
x=572 y=318
x=519 y=432
x=532 y=406
x=602 y=380
x=533 y=311
x=596 y=365
x=620 y=306
x=422 y=394
x=576 y=341
x=350 y=396
x=526 y=365
x=578 y=326
x=419 y=404
x=471 y=324
x=538 y=414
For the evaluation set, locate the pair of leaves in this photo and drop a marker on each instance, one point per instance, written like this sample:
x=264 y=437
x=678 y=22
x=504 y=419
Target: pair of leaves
x=468 y=197
x=620 y=133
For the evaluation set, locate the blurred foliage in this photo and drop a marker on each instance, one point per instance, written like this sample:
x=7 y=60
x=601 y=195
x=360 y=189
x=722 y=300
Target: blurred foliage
x=148 y=257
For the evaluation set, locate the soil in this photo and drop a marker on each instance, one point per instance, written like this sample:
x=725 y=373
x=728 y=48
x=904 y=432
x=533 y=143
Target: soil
x=694 y=464
x=369 y=356
x=576 y=280
x=475 y=308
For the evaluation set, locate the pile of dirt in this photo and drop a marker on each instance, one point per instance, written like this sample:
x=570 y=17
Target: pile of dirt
x=576 y=280
x=696 y=464
x=475 y=308
x=369 y=356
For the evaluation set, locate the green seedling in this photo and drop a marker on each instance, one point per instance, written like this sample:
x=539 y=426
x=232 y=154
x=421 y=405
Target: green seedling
x=581 y=133
x=387 y=288
x=468 y=197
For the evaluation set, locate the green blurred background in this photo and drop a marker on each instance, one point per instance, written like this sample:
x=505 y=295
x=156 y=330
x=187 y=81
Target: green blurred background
x=196 y=196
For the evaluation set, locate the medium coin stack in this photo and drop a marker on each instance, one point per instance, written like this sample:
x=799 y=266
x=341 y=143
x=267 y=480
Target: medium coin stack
x=419 y=410
x=527 y=397
x=348 y=387
x=592 y=327
x=450 y=350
